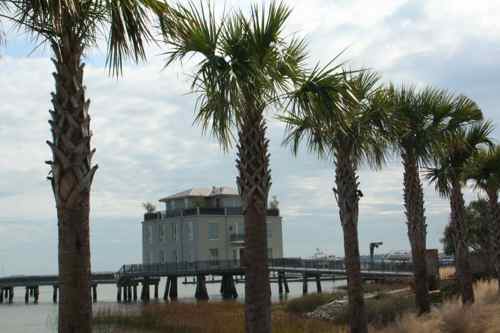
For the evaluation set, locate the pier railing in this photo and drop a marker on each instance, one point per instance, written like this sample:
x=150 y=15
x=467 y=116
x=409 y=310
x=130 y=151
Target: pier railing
x=277 y=264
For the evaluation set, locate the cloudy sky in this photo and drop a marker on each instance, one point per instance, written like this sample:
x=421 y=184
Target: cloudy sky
x=147 y=147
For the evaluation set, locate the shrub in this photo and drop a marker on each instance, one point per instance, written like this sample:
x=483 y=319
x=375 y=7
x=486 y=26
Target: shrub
x=382 y=309
x=308 y=303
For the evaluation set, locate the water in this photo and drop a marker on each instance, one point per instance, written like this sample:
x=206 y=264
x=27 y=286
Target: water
x=42 y=318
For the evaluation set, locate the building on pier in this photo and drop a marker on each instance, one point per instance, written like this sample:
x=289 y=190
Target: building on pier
x=203 y=224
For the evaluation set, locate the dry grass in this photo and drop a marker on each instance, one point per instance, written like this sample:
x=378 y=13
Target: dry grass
x=451 y=317
x=224 y=317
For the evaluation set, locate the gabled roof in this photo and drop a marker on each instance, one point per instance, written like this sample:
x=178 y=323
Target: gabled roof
x=202 y=192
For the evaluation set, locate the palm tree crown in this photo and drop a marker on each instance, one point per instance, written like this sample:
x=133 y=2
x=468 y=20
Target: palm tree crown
x=454 y=152
x=126 y=22
x=245 y=62
x=333 y=112
x=484 y=169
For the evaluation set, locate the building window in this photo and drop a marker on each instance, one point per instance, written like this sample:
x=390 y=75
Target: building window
x=214 y=255
x=175 y=258
x=189 y=231
x=162 y=232
x=269 y=231
x=235 y=254
x=172 y=204
x=174 y=231
x=269 y=253
x=213 y=231
x=162 y=257
x=186 y=203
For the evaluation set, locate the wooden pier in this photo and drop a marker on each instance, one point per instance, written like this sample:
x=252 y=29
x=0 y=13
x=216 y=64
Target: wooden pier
x=130 y=278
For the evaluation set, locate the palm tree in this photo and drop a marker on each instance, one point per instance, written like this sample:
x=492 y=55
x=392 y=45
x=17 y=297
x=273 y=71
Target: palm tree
x=484 y=171
x=245 y=63
x=417 y=120
x=71 y=28
x=451 y=158
x=333 y=114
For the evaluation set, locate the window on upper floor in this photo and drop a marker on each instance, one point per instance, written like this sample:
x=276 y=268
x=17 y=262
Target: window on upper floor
x=213 y=231
x=174 y=231
x=269 y=253
x=150 y=234
x=162 y=232
x=186 y=203
x=269 y=231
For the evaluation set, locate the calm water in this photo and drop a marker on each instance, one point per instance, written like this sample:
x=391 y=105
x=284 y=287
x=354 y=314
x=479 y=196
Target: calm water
x=42 y=318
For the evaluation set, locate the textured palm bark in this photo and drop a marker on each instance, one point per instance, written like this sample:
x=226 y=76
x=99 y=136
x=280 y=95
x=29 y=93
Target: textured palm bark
x=254 y=182
x=348 y=195
x=415 y=217
x=464 y=273
x=494 y=208
x=71 y=178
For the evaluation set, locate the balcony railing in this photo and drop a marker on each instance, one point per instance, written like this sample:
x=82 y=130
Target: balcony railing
x=237 y=237
x=202 y=211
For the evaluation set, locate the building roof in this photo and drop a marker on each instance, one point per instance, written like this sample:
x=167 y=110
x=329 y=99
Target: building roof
x=202 y=192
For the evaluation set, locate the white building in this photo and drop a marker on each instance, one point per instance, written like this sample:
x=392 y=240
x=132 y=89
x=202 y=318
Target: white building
x=202 y=224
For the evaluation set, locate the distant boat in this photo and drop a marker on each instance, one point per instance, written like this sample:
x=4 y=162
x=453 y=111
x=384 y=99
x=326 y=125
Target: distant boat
x=322 y=255
x=399 y=256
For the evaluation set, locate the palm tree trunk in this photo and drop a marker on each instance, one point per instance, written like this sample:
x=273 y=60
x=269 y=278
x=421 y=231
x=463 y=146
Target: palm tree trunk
x=254 y=182
x=462 y=263
x=72 y=175
x=348 y=196
x=494 y=207
x=414 y=206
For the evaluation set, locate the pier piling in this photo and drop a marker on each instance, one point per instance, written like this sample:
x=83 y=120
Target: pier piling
x=36 y=293
x=304 y=284
x=167 y=288
x=54 y=294
x=173 y=288
x=156 y=289
x=135 y=291
x=201 y=293
x=318 y=283
x=94 y=293
x=27 y=295
x=1 y=295
x=118 y=293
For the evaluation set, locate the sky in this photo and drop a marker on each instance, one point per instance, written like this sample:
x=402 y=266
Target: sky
x=147 y=146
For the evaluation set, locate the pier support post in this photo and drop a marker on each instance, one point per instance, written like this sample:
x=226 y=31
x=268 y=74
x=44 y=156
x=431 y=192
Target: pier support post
x=285 y=283
x=280 y=283
x=156 y=289
x=27 y=295
x=125 y=293
x=1 y=295
x=11 y=295
x=318 y=284
x=173 y=288
x=167 y=288
x=118 y=293
x=135 y=291
x=145 y=289
x=94 y=293
x=304 y=284
x=36 y=293
x=129 y=287
x=54 y=294
x=201 y=293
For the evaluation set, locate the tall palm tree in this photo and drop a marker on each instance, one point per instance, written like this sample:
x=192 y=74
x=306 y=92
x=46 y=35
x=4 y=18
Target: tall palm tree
x=451 y=157
x=484 y=171
x=417 y=120
x=333 y=114
x=245 y=63
x=71 y=28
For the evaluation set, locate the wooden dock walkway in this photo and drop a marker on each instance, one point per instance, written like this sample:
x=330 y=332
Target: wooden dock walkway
x=129 y=277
